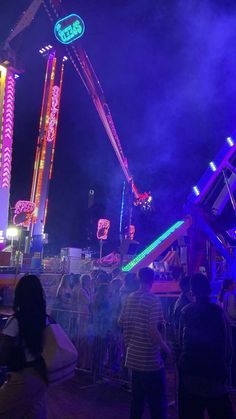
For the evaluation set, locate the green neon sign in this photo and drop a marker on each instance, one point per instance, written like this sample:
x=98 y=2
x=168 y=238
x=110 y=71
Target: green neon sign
x=69 y=29
x=152 y=246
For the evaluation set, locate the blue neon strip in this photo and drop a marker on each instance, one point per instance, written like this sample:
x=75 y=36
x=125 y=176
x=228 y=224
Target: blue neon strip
x=152 y=246
x=122 y=207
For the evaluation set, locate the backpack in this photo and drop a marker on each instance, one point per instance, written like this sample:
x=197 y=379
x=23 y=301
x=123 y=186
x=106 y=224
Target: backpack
x=59 y=353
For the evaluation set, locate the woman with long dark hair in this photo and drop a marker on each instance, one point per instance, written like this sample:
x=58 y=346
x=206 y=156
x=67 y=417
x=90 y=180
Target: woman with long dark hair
x=21 y=345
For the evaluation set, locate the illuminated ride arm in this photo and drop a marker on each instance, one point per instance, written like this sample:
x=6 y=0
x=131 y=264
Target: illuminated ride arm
x=85 y=70
x=83 y=67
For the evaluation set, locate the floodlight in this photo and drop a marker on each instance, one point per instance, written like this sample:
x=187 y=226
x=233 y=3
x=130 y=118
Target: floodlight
x=12 y=232
x=196 y=190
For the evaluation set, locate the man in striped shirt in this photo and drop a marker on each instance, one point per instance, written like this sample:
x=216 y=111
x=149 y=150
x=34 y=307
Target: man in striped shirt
x=140 y=319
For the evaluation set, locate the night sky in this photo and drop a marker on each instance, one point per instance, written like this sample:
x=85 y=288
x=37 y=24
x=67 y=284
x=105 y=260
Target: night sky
x=168 y=70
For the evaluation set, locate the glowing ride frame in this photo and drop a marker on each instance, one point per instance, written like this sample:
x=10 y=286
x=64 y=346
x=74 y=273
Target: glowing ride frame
x=7 y=99
x=151 y=247
x=45 y=148
x=53 y=118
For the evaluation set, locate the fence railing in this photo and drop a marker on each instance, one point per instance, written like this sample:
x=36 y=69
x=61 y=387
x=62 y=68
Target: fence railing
x=100 y=353
x=103 y=355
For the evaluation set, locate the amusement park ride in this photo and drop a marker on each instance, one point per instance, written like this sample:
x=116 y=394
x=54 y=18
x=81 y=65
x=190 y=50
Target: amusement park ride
x=67 y=30
x=201 y=240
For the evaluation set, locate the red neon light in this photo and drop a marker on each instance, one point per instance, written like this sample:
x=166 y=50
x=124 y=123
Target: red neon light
x=42 y=142
x=56 y=121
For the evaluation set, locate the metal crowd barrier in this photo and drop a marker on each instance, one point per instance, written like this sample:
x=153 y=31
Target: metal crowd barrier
x=66 y=318
x=102 y=356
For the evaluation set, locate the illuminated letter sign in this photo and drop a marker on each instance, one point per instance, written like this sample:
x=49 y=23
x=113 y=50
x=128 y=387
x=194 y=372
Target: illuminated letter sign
x=69 y=29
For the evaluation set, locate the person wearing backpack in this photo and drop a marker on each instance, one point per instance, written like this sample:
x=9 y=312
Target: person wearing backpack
x=21 y=345
x=205 y=356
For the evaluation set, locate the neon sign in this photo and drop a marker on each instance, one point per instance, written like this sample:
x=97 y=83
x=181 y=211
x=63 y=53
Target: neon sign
x=69 y=29
x=23 y=213
x=103 y=228
x=8 y=131
x=54 y=114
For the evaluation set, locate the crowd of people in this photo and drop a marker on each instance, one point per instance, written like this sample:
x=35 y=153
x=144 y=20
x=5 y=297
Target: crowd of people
x=108 y=309
x=118 y=322
x=88 y=308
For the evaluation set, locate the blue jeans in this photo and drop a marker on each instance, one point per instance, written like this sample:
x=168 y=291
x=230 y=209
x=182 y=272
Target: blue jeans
x=148 y=386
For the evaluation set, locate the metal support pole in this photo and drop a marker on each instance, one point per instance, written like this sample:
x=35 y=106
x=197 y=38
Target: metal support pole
x=233 y=202
x=100 y=255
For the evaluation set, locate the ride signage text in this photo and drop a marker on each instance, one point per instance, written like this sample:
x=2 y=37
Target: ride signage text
x=69 y=29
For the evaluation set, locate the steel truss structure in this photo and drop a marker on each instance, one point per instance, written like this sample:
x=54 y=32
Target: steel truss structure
x=209 y=245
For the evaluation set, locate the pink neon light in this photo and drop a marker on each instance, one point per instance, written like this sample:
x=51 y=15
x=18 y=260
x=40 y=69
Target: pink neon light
x=8 y=132
x=103 y=228
x=26 y=209
x=53 y=114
